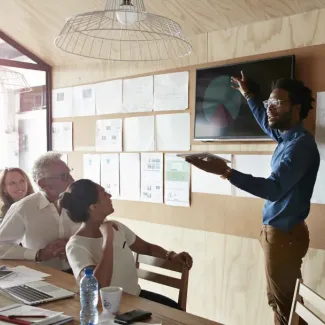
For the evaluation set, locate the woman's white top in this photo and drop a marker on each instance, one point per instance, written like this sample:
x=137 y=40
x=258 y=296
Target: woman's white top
x=85 y=251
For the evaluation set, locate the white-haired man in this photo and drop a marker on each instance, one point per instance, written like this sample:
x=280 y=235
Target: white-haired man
x=36 y=222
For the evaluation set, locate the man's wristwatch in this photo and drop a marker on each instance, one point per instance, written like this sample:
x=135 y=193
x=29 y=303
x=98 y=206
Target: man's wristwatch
x=248 y=95
x=227 y=173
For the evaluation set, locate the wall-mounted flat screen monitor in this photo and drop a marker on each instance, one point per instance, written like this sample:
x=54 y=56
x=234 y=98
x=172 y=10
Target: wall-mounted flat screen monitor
x=221 y=113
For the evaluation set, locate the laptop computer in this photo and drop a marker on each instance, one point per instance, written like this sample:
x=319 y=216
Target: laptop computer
x=38 y=292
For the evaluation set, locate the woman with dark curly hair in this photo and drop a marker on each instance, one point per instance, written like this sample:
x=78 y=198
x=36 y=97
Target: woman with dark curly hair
x=107 y=245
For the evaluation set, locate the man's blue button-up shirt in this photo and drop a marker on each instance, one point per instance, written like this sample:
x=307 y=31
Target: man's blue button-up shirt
x=294 y=165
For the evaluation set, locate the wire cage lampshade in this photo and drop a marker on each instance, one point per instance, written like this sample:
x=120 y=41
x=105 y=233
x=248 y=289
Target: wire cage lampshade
x=123 y=31
x=13 y=82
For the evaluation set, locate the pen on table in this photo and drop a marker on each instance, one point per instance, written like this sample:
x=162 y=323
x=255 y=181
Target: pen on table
x=14 y=321
x=124 y=244
x=26 y=316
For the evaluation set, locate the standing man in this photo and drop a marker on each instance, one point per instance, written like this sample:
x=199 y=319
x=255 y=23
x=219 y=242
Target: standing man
x=36 y=221
x=287 y=191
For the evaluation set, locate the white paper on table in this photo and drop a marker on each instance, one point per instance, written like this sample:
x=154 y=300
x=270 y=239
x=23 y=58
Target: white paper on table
x=139 y=133
x=203 y=182
x=177 y=181
x=16 y=280
x=62 y=100
x=320 y=124
x=109 y=135
x=21 y=275
x=152 y=177
x=173 y=132
x=130 y=176
x=64 y=158
x=171 y=91
x=84 y=100
x=138 y=94
x=62 y=136
x=25 y=310
x=29 y=272
x=109 y=97
x=91 y=167
x=18 y=277
x=255 y=165
x=110 y=174
x=319 y=189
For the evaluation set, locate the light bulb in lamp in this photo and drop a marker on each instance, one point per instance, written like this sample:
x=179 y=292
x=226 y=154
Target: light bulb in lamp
x=127 y=15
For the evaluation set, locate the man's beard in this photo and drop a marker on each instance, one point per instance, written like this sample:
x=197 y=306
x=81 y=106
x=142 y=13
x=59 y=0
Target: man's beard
x=283 y=123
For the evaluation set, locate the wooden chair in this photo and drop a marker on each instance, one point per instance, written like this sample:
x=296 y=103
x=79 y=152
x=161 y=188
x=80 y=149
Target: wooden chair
x=181 y=284
x=298 y=310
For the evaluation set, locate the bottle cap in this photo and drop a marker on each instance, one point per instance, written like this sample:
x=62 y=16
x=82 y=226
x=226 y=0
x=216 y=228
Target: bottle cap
x=89 y=271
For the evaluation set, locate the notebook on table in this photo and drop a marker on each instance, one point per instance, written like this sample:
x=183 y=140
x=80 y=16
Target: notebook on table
x=18 y=312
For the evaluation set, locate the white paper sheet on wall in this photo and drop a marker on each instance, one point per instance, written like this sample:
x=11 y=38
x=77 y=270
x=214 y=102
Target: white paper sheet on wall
x=203 y=182
x=139 y=133
x=62 y=102
x=110 y=174
x=173 y=132
x=171 y=91
x=177 y=181
x=130 y=176
x=62 y=136
x=255 y=165
x=152 y=177
x=84 y=100
x=109 y=97
x=320 y=124
x=319 y=189
x=109 y=135
x=138 y=95
x=91 y=167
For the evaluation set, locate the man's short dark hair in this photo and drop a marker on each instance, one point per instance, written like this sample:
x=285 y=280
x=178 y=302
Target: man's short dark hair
x=299 y=94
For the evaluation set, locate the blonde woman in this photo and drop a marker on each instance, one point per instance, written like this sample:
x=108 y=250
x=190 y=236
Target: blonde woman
x=14 y=186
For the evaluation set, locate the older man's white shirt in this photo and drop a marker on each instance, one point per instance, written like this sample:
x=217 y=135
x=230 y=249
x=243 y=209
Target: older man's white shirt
x=34 y=222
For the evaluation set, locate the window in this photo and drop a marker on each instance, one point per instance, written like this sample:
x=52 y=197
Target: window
x=24 y=112
x=8 y=52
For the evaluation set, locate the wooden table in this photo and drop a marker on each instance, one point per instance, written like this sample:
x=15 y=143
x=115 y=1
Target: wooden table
x=71 y=306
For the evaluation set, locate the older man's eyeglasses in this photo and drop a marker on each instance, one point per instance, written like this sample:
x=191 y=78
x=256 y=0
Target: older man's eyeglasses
x=63 y=176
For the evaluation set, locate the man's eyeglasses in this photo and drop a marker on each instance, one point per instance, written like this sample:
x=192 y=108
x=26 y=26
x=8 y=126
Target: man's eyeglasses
x=63 y=176
x=273 y=102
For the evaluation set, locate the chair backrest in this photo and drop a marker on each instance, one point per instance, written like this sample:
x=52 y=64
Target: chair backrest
x=181 y=284
x=298 y=310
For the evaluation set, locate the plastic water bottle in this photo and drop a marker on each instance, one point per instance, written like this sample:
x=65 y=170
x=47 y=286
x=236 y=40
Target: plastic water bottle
x=88 y=298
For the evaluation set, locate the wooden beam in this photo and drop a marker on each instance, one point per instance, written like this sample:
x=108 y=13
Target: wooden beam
x=23 y=65
x=24 y=51
x=49 y=108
